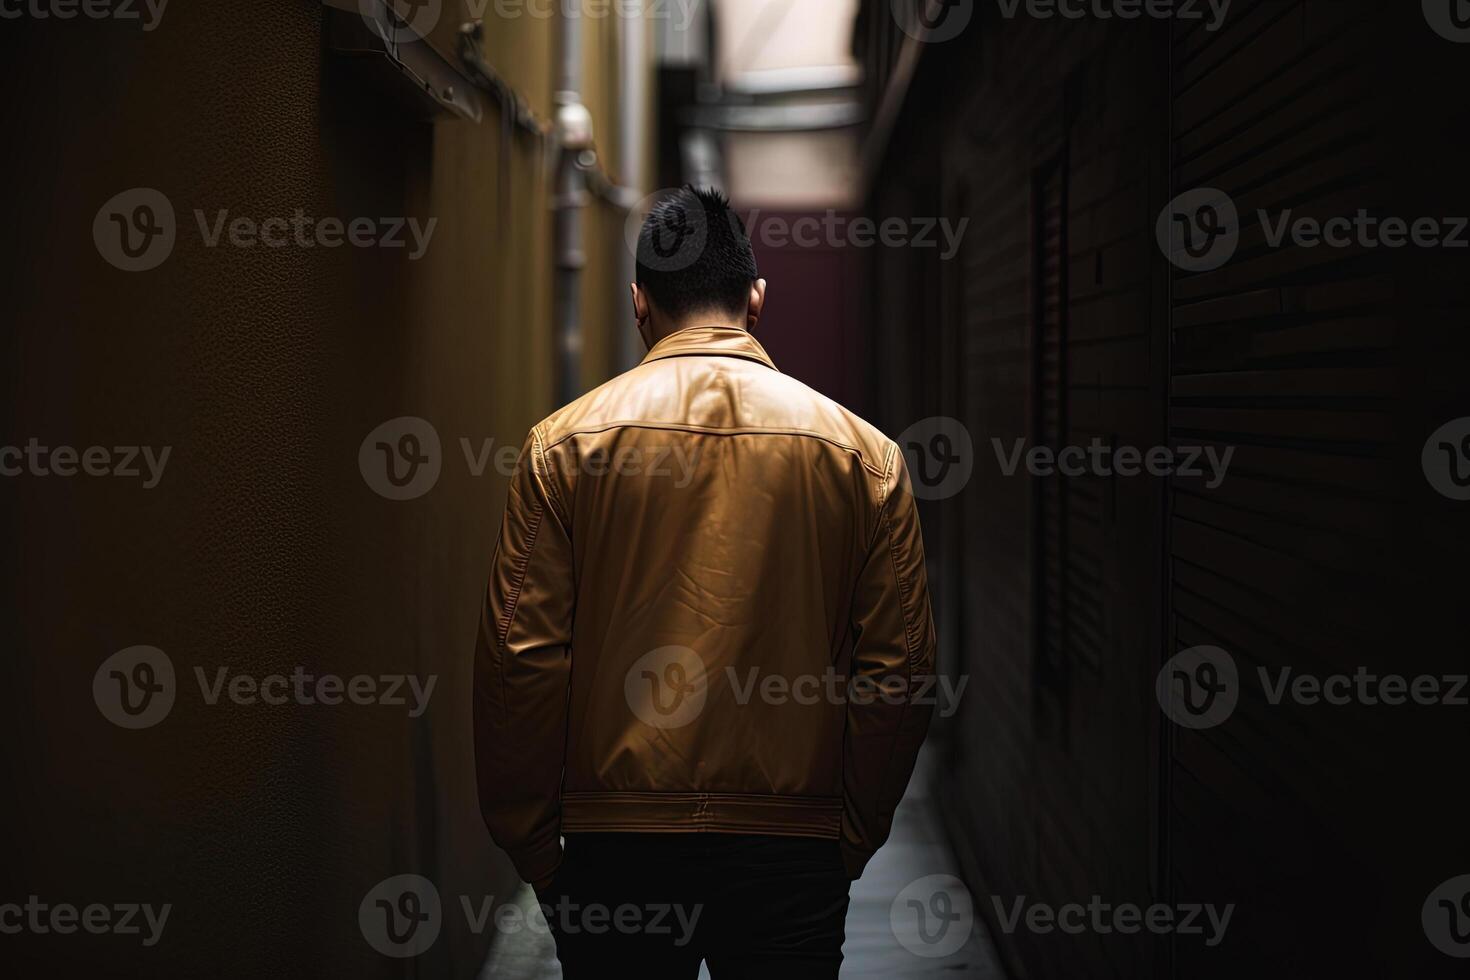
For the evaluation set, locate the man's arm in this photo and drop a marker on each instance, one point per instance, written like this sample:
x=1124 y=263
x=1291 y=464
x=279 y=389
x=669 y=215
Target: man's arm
x=522 y=669
x=893 y=647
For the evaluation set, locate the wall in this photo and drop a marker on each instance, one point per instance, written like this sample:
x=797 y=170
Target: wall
x=1060 y=321
x=263 y=548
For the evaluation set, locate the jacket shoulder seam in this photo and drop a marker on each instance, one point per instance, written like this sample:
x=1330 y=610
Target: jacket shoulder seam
x=718 y=431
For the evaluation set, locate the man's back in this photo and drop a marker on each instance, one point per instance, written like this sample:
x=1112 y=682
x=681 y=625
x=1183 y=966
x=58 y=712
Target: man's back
x=720 y=532
x=720 y=511
x=706 y=650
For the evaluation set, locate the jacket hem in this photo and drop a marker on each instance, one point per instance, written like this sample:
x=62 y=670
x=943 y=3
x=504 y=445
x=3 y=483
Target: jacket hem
x=731 y=813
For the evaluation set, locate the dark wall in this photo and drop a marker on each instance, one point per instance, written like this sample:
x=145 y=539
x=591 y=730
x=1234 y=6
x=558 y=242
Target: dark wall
x=1327 y=368
x=262 y=549
x=1061 y=598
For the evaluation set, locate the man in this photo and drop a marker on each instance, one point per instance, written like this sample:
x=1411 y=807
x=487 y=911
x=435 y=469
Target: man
x=703 y=643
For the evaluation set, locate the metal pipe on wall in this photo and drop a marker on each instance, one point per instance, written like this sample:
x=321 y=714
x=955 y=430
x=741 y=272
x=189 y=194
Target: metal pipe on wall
x=573 y=137
x=632 y=127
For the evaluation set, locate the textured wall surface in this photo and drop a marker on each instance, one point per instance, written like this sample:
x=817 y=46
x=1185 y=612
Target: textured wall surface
x=1323 y=551
x=263 y=547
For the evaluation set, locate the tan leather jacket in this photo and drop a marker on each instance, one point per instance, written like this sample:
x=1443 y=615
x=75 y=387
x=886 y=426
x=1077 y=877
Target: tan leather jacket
x=708 y=611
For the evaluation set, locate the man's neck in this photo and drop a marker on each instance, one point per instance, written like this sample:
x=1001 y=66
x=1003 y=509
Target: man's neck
x=699 y=320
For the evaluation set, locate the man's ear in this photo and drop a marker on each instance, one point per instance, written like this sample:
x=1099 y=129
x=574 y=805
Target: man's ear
x=640 y=311
x=757 y=303
x=640 y=302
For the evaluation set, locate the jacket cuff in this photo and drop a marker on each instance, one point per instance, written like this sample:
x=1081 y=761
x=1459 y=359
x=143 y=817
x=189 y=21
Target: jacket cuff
x=537 y=862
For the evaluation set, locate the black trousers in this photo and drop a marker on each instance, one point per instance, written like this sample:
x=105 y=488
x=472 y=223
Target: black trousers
x=654 y=905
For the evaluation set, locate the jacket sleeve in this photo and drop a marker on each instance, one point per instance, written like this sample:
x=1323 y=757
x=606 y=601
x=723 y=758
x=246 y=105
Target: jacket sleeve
x=523 y=668
x=889 y=702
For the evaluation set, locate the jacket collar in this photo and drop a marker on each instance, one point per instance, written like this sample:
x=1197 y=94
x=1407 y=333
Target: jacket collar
x=720 y=341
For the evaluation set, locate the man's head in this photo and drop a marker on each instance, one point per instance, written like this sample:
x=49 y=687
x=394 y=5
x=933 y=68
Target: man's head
x=695 y=266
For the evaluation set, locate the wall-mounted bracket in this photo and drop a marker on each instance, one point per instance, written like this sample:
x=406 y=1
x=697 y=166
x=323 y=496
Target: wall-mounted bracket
x=390 y=53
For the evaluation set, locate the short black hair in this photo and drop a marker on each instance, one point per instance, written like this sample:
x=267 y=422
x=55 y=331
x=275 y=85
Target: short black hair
x=694 y=255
